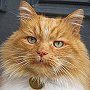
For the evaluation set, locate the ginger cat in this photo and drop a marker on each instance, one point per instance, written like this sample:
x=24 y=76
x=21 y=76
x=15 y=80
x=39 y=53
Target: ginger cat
x=45 y=53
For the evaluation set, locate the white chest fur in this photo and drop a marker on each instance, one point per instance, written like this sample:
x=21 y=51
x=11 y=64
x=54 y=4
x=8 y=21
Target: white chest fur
x=61 y=84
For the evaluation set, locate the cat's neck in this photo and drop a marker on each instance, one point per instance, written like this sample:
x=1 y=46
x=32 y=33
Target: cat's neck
x=61 y=84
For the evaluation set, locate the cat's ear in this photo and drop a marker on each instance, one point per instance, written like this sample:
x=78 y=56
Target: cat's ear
x=26 y=10
x=75 y=19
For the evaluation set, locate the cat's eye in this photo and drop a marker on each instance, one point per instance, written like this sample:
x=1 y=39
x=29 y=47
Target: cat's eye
x=31 y=40
x=58 y=44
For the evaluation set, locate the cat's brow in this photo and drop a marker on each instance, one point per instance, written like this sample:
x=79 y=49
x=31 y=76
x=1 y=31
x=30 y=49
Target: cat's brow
x=29 y=31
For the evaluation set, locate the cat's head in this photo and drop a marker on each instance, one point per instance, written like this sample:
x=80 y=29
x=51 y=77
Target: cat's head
x=44 y=47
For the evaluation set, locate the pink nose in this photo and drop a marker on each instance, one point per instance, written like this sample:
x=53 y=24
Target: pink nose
x=42 y=53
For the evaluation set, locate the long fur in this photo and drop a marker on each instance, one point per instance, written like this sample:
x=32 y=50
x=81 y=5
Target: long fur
x=20 y=60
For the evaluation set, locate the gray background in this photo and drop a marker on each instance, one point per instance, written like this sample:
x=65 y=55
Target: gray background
x=9 y=21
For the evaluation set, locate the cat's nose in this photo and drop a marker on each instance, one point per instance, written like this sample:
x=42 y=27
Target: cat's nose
x=42 y=53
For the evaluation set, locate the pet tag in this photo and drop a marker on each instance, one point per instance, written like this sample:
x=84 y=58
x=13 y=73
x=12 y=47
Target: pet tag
x=36 y=83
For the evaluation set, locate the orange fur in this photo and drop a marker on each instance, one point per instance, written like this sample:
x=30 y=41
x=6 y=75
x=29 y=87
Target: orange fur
x=19 y=57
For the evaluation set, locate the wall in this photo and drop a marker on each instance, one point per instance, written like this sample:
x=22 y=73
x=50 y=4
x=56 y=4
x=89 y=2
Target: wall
x=8 y=20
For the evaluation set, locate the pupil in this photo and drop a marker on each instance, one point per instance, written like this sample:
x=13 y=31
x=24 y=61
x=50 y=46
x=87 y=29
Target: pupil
x=58 y=43
x=32 y=39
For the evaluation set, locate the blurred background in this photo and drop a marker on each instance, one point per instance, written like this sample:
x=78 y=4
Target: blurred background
x=9 y=12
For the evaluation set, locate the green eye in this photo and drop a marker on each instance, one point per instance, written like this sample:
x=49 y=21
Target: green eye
x=31 y=40
x=58 y=44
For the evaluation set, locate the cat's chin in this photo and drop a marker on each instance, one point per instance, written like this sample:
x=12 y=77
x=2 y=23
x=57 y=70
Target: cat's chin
x=43 y=72
x=42 y=69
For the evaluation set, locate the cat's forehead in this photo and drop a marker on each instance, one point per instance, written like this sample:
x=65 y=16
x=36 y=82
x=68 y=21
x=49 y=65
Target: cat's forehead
x=49 y=23
x=43 y=27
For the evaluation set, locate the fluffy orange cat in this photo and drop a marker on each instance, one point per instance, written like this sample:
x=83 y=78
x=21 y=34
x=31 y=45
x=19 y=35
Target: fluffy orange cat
x=45 y=53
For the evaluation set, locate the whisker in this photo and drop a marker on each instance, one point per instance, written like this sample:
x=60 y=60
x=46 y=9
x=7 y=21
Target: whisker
x=74 y=67
x=67 y=72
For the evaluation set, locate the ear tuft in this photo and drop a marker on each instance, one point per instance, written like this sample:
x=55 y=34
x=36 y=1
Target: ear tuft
x=74 y=21
x=76 y=18
x=26 y=10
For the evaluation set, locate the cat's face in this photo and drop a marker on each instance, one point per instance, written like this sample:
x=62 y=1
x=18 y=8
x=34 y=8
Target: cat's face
x=44 y=47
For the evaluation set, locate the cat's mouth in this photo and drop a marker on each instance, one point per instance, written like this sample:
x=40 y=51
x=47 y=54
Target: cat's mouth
x=40 y=62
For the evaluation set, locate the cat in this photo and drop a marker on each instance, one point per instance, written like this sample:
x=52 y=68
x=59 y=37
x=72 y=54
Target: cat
x=45 y=53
